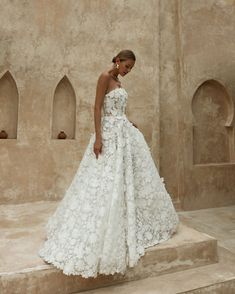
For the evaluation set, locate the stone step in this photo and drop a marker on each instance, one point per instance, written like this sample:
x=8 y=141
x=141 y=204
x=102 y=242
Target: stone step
x=23 y=271
x=218 y=278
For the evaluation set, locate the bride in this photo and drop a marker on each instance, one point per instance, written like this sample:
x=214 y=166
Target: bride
x=117 y=204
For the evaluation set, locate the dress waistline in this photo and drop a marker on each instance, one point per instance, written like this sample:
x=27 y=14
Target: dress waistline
x=123 y=116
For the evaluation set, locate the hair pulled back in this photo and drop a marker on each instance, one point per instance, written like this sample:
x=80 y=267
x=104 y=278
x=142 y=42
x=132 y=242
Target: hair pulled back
x=124 y=55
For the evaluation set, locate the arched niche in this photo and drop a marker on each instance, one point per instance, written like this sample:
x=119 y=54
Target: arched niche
x=9 y=99
x=64 y=109
x=212 y=109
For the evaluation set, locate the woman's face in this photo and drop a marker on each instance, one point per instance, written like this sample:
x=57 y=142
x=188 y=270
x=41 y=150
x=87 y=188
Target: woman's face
x=125 y=66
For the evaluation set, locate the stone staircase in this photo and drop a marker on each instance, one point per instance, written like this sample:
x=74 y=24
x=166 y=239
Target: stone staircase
x=217 y=278
x=189 y=262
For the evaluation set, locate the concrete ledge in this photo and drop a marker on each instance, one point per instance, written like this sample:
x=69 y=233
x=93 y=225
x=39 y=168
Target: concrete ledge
x=217 y=278
x=226 y=287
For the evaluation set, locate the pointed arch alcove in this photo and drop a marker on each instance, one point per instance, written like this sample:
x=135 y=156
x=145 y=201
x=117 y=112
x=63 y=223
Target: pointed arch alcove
x=9 y=100
x=64 y=109
x=213 y=139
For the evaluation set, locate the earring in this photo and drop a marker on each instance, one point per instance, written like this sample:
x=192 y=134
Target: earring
x=117 y=65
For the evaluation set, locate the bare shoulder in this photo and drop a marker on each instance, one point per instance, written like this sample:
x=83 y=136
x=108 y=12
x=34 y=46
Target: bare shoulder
x=103 y=82
x=104 y=76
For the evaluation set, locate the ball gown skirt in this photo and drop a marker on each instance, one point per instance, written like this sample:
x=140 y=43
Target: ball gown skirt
x=116 y=205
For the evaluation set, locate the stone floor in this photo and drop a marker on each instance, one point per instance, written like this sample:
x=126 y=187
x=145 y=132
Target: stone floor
x=21 y=233
x=217 y=222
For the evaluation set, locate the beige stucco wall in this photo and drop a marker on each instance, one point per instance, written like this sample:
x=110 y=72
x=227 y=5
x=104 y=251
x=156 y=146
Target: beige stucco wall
x=41 y=42
x=179 y=44
x=196 y=46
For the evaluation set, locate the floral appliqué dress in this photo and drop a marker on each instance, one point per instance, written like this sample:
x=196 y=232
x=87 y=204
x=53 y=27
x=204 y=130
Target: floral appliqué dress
x=116 y=205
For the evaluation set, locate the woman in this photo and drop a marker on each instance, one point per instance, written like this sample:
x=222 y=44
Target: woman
x=117 y=204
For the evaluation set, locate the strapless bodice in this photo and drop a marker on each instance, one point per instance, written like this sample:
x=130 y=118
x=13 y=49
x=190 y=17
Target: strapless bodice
x=115 y=102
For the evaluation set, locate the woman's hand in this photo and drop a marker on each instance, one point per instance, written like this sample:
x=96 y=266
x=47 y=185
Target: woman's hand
x=97 y=147
x=134 y=124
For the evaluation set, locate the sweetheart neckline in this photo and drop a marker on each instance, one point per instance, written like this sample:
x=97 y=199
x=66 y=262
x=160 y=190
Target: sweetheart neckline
x=114 y=90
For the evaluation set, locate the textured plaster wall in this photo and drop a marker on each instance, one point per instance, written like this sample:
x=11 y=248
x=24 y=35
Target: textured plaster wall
x=208 y=51
x=170 y=156
x=41 y=42
x=196 y=46
x=60 y=47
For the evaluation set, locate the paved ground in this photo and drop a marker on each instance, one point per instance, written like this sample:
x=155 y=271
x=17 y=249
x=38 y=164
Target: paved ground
x=21 y=229
x=217 y=222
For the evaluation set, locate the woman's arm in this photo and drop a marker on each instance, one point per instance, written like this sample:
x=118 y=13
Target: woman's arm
x=101 y=87
x=134 y=124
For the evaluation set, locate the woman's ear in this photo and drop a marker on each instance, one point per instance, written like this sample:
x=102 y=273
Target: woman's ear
x=118 y=60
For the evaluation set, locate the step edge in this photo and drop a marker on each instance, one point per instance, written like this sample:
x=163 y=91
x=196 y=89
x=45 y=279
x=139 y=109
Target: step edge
x=206 y=286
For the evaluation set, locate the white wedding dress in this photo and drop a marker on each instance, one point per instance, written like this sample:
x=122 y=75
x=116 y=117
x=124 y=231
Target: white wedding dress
x=116 y=205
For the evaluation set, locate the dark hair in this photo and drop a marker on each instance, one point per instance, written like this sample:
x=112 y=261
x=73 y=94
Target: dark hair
x=124 y=55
